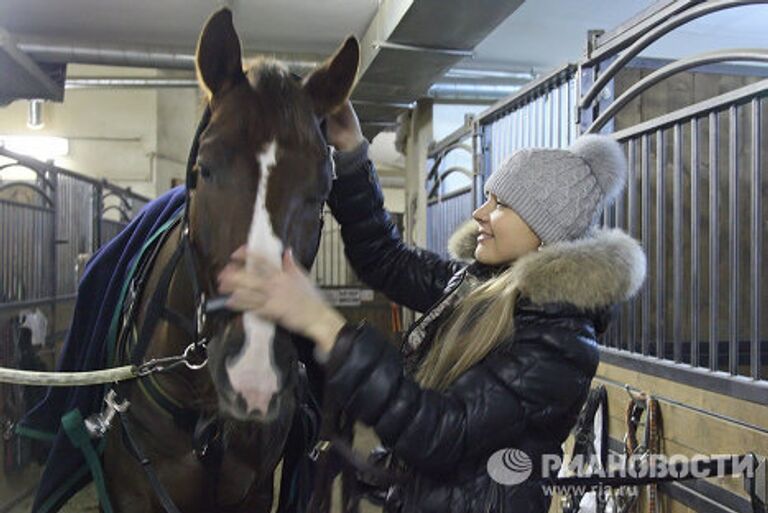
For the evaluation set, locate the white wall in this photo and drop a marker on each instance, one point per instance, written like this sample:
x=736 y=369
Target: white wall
x=111 y=132
x=137 y=138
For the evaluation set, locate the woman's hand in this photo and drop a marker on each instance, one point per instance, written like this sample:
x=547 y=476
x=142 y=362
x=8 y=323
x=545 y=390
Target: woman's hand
x=285 y=296
x=343 y=128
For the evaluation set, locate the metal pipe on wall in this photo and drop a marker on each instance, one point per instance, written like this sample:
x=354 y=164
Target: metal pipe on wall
x=45 y=50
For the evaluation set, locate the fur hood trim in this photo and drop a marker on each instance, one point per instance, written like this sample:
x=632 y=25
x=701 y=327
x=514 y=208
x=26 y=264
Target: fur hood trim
x=605 y=268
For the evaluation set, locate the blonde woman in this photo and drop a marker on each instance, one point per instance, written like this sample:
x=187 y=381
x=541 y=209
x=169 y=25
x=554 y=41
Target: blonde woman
x=505 y=353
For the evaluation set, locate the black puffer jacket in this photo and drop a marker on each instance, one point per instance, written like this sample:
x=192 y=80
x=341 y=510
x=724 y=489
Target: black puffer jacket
x=526 y=394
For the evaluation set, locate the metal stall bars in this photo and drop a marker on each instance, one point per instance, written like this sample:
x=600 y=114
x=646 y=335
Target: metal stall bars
x=47 y=219
x=335 y=276
x=451 y=187
x=542 y=114
x=714 y=145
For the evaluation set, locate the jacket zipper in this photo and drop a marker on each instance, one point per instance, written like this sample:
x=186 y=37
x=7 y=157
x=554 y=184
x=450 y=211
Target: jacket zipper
x=435 y=305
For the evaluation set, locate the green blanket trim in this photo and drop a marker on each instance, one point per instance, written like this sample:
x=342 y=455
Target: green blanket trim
x=74 y=426
x=113 y=327
x=36 y=434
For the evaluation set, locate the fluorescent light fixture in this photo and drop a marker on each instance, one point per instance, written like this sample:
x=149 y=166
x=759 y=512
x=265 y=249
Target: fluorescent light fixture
x=39 y=147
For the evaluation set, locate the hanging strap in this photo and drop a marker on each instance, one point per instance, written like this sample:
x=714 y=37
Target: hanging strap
x=154 y=481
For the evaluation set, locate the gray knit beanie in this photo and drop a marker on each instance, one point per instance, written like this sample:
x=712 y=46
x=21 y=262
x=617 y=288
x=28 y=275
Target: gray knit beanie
x=560 y=194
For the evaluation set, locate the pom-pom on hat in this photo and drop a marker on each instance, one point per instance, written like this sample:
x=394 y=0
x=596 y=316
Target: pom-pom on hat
x=561 y=194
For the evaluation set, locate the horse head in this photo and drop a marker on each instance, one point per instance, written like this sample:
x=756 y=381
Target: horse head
x=262 y=174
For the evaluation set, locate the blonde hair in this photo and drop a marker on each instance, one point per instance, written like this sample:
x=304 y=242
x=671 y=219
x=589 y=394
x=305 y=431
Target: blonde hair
x=480 y=321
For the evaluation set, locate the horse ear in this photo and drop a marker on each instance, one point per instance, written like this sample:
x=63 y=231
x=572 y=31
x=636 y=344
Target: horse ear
x=218 y=57
x=330 y=85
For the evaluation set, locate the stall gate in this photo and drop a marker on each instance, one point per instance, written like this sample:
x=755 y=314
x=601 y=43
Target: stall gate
x=694 y=132
x=51 y=220
x=47 y=219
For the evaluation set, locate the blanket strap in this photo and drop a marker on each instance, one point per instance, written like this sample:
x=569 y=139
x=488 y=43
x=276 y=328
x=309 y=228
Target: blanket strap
x=74 y=427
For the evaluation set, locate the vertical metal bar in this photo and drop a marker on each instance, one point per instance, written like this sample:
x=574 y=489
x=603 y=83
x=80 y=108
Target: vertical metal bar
x=631 y=318
x=714 y=241
x=733 y=239
x=475 y=142
x=757 y=242
x=528 y=125
x=551 y=129
x=619 y=327
x=558 y=121
x=4 y=244
x=543 y=120
x=54 y=177
x=34 y=243
x=677 y=242
x=661 y=197
x=531 y=129
x=695 y=259
x=540 y=116
x=645 y=229
x=574 y=119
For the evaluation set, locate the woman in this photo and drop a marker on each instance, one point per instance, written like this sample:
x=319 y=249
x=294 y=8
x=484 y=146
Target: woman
x=505 y=354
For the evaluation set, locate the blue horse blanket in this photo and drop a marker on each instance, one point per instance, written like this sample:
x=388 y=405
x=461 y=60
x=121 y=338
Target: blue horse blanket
x=87 y=348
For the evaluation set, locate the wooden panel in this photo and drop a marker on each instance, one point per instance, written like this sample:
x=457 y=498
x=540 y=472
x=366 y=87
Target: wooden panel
x=686 y=431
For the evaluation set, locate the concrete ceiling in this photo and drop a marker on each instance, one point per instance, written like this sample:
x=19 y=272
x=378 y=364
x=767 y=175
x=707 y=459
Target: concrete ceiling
x=540 y=34
x=407 y=45
x=316 y=26
x=518 y=42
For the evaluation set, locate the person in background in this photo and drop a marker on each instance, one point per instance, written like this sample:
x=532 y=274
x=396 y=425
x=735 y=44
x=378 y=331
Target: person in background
x=505 y=352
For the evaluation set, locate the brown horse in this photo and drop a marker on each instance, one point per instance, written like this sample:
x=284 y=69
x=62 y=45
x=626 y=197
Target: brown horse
x=262 y=176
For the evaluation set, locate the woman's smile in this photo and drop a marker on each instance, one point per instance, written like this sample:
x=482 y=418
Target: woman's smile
x=483 y=236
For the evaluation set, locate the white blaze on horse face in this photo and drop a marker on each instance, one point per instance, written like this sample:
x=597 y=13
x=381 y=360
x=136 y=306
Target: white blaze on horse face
x=252 y=373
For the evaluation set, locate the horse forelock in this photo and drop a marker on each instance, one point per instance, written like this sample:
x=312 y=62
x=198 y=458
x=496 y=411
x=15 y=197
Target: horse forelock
x=286 y=109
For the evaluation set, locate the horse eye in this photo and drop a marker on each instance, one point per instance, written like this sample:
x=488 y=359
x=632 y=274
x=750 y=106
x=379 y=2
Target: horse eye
x=205 y=171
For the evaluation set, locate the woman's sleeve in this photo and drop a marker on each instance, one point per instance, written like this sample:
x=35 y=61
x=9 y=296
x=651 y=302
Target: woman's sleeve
x=525 y=385
x=410 y=276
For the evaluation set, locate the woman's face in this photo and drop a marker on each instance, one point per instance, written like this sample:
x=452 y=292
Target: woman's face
x=502 y=235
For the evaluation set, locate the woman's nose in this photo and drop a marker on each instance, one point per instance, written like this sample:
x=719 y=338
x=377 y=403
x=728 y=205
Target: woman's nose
x=481 y=214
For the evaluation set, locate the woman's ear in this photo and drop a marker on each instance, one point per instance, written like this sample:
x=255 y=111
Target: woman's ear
x=218 y=58
x=330 y=85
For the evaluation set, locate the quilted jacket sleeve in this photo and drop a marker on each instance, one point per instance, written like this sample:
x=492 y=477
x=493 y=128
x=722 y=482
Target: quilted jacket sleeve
x=528 y=384
x=410 y=276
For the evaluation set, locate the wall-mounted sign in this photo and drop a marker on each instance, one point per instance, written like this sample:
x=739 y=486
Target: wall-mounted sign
x=348 y=297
